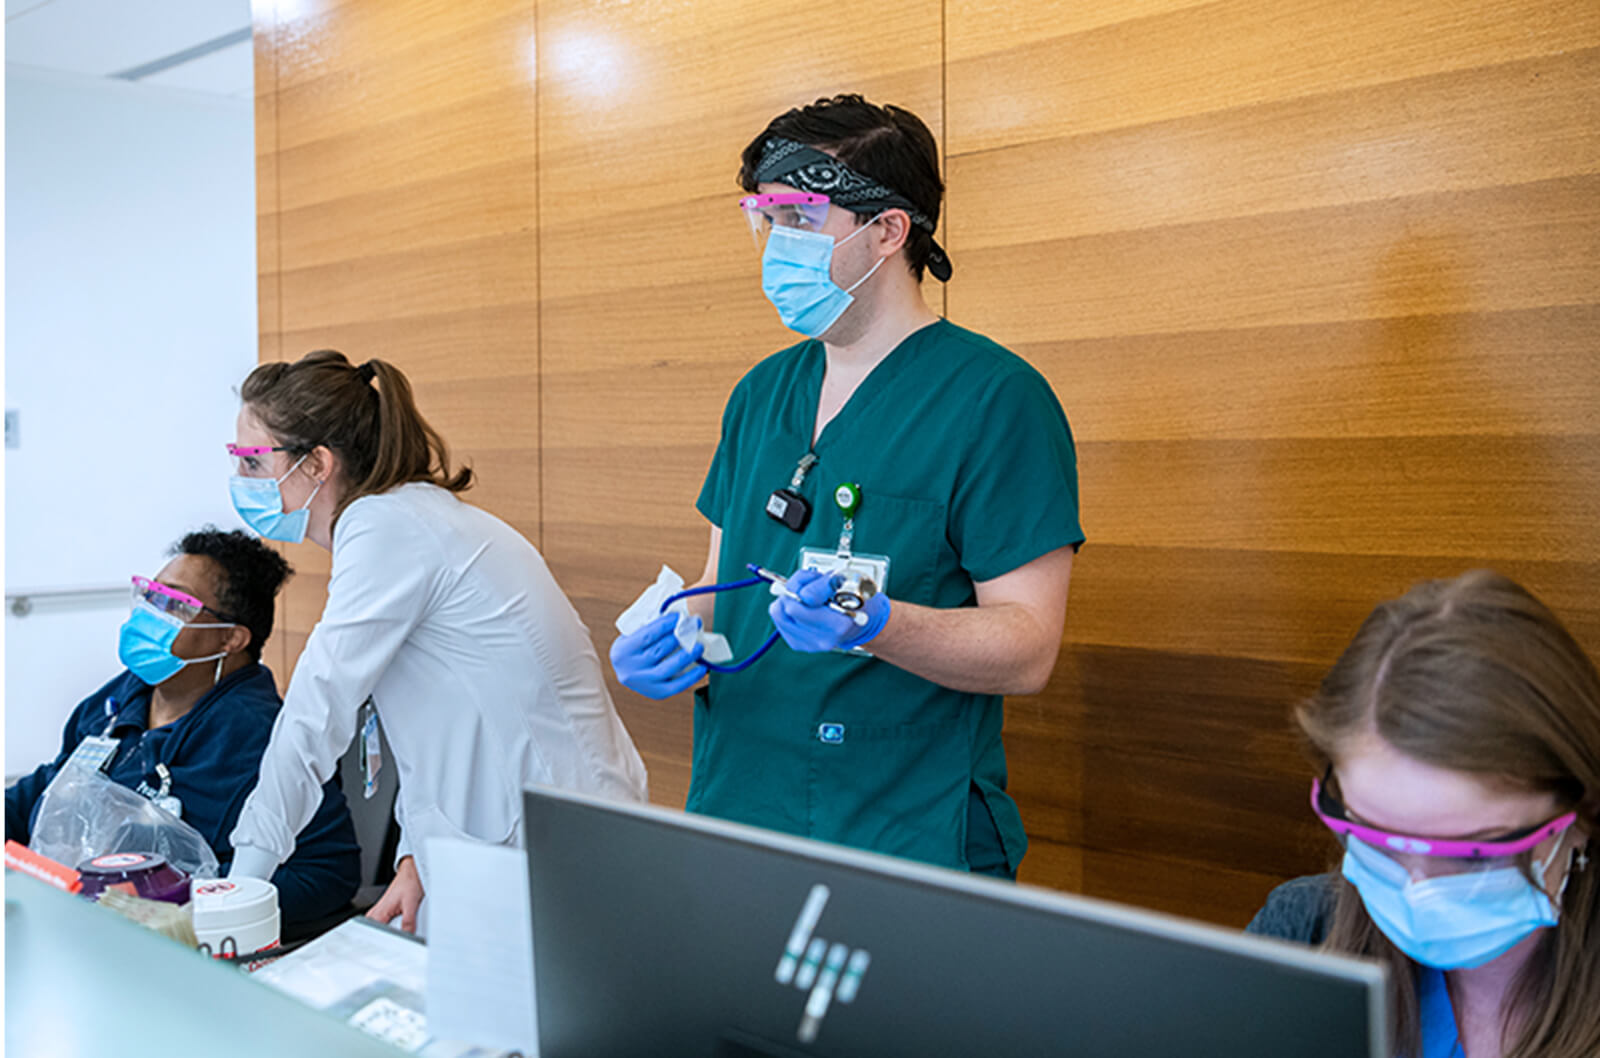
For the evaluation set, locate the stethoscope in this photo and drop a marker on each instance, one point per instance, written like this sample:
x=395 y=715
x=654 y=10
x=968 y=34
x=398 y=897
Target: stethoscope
x=848 y=598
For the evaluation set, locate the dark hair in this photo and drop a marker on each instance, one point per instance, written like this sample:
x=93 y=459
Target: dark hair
x=887 y=143
x=250 y=575
x=1476 y=675
x=380 y=436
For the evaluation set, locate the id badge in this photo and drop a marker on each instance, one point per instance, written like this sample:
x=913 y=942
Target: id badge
x=95 y=752
x=870 y=568
x=371 y=750
x=169 y=804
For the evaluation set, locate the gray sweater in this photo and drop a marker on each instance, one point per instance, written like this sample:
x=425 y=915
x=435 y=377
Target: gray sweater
x=1299 y=909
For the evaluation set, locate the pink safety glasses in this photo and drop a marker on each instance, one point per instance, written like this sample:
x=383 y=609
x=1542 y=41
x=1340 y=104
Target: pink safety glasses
x=167 y=600
x=253 y=461
x=790 y=209
x=1336 y=818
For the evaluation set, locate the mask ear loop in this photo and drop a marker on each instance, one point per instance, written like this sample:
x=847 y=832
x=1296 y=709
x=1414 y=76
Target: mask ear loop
x=216 y=676
x=279 y=482
x=1577 y=863
x=852 y=287
x=1577 y=860
x=321 y=482
x=222 y=658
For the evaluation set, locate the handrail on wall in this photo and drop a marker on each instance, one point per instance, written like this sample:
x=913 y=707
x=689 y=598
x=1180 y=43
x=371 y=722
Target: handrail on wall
x=20 y=601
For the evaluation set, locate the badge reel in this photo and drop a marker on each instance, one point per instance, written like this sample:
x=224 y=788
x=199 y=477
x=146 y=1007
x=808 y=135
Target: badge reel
x=860 y=577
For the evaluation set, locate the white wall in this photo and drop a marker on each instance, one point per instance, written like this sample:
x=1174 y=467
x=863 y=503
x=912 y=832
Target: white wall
x=130 y=317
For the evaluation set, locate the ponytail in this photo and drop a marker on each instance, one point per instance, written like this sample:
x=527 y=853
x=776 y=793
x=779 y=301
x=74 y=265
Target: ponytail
x=366 y=414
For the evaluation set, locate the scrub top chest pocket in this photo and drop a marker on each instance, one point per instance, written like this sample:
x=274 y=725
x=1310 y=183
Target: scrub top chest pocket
x=899 y=542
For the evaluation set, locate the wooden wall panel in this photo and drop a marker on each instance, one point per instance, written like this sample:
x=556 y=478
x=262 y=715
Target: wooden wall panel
x=1316 y=285
x=1359 y=144
x=264 y=40
x=405 y=208
x=1027 y=73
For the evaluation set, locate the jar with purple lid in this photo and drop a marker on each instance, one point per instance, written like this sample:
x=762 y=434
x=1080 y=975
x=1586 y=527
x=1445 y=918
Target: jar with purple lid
x=140 y=873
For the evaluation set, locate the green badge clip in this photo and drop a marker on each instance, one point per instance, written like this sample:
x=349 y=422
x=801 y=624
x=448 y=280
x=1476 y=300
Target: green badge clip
x=847 y=498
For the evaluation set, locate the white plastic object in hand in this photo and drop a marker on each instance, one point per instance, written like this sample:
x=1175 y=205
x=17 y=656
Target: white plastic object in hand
x=647 y=607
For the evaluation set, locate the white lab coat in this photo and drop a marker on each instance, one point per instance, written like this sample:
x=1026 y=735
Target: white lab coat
x=483 y=676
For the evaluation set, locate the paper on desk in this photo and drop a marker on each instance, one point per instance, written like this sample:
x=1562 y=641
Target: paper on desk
x=647 y=607
x=480 y=946
x=372 y=977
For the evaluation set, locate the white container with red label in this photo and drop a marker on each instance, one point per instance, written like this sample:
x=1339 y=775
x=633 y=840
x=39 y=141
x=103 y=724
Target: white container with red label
x=235 y=916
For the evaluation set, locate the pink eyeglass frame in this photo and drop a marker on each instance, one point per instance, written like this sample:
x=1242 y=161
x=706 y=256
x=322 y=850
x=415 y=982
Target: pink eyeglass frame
x=146 y=584
x=785 y=198
x=1468 y=849
x=252 y=450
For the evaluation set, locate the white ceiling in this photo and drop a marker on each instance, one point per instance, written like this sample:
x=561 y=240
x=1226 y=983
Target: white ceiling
x=102 y=38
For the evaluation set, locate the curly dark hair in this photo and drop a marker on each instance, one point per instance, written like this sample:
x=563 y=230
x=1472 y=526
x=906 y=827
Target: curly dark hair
x=252 y=573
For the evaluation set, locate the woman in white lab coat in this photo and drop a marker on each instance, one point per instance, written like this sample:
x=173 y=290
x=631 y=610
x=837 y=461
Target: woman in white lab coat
x=477 y=665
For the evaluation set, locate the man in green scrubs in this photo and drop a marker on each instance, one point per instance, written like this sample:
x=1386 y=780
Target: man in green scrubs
x=960 y=474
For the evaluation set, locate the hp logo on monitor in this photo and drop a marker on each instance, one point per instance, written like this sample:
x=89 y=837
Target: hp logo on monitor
x=829 y=971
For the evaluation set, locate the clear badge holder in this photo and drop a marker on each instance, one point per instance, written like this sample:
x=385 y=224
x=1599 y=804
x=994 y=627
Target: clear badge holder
x=855 y=569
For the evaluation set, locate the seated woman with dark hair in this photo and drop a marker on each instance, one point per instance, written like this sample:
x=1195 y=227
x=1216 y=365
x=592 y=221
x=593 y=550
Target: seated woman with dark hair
x=192 y=715
x=1458 y=740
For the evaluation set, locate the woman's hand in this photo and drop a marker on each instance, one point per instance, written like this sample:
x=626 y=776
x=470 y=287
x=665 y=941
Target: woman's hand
x=401 y=898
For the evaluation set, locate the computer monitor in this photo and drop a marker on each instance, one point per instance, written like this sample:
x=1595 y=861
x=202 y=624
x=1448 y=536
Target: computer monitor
x=661 y=933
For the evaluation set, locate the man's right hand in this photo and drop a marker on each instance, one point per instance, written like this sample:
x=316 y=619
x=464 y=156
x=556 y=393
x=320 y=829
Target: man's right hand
x=652 y=663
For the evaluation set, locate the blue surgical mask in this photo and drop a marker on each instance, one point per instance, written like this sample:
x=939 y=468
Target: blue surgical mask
x=1454 y=921
x=797 y=277
x=145 y=645
x=260 y=503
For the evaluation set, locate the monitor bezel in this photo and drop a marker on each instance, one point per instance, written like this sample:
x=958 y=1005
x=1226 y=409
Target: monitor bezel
x=1371 y=975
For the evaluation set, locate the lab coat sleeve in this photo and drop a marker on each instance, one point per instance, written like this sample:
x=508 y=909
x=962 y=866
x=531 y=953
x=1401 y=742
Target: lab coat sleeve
x=382 y=584
x=403 y=846
x=325 y=870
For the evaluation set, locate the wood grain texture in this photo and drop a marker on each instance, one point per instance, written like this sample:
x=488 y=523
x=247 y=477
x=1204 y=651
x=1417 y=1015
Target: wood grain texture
x=1315 y=283
x=264 y=50
x=1493 y=374
x=403 y=213
x=1316 y=286
x=1498 y=249
x=1060 y=73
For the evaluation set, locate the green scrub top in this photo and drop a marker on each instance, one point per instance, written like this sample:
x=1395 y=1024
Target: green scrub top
x=967 y=471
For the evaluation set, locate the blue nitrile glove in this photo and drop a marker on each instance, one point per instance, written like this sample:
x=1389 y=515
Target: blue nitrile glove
x=809 y=626
x=651 y=662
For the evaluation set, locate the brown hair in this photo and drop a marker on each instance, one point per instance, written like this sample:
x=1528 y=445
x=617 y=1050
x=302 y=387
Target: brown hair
x=366 y=414
x=1476 y=675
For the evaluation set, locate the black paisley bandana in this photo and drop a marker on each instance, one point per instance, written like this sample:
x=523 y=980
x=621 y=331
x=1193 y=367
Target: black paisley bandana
x=789 y=162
